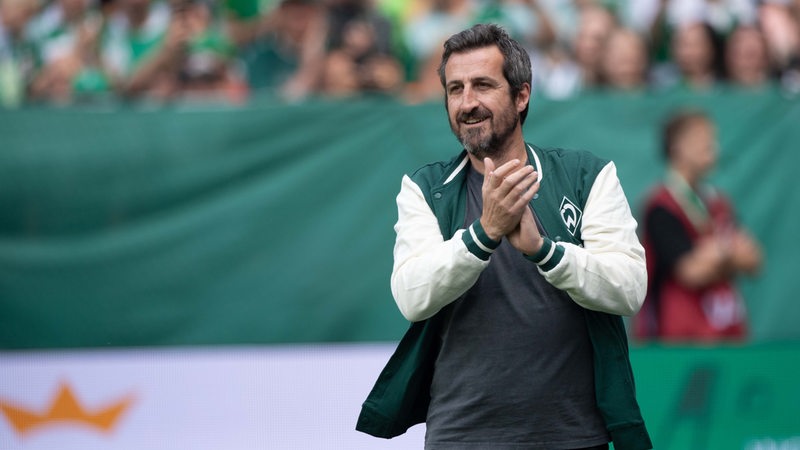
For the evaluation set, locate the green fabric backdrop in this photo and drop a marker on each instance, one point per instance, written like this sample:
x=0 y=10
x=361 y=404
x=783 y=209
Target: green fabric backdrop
x=265 y=223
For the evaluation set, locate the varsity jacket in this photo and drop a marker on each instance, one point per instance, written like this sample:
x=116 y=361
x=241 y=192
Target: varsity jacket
x=591 y=251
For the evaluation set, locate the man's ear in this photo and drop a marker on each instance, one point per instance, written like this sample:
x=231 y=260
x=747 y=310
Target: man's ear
x=523 y=97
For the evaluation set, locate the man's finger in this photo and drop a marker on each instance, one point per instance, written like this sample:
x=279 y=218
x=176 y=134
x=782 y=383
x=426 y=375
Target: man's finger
x=498 y=174
x=531 y=190
x=518 y=176
x=516 y=183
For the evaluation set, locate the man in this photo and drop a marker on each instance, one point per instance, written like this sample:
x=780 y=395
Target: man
x=514 y=264
x=695 y=248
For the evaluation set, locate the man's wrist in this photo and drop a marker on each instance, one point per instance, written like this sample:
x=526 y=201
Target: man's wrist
x=478 y=242
x=548 y=256
x=490 y=234
x=539 y=245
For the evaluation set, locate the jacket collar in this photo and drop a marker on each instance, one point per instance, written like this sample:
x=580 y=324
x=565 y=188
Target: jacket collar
x=463 y=160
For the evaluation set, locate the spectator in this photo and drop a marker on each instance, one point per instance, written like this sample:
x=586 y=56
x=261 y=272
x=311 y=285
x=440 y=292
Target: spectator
x=56 y=28
x=528 y=21
x=173 y=49
x=571 y=63
x=17 y=56
x=206 y=71
x=66 y=34
x=532 y=24
x=695 y=248
x=558 y=75
x=746 y=59
x=162 y=51
x=595 y=25
x=624 y=66
x=242 y=19
x=781 y=31
x=332 y=33
x=658 y=20
x=424 y=35
x=272 y=56
x=358 y=65
x=697 y=61
x=141 y=46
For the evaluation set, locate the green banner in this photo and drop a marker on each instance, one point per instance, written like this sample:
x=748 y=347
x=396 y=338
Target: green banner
x=271 y=223
x=720 y=398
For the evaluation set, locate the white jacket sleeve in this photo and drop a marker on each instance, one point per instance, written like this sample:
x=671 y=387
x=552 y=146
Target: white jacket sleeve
x=608 y=273
x=429 y=272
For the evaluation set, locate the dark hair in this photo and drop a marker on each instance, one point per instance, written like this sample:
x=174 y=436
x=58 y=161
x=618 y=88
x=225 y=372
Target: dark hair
x=516 y=62
x=716 y=43
x=675 y=125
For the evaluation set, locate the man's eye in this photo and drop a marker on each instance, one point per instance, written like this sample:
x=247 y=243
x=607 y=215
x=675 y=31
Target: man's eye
x=455 y=89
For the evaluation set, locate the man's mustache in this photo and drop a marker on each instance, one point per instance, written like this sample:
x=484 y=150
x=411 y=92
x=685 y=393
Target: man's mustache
x=477 y=114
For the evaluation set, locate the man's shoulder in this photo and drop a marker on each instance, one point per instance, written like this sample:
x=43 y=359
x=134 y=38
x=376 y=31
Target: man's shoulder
x=571 y=156
x=434 y=173
x=574 y=167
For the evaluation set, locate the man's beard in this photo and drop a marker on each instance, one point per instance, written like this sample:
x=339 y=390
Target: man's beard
x=480 y=144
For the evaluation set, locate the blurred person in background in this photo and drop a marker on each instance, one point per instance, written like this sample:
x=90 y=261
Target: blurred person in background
x=572 y=62
x=697 y=59
x=271 y=55
x=18 y=60
x=532 y=24
x=242 y=19
x=423 y=34
x=528 y=21
x=343 y=23
x=659 y=20
x=207 y=70
x=694 y=244
x=558 y=75
x=595 y=26
x=142 y=46
x=625 y=63
x=358 y=65
x=746 y=59
x=165 y=50
x=779 y=24
x=67 y=34
x=55 y=29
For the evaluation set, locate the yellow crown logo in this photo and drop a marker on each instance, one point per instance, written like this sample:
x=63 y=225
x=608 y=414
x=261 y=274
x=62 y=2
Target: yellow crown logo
x=65 y=408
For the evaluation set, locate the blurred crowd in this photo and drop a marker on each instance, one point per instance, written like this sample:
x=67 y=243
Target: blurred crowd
x=77 y=51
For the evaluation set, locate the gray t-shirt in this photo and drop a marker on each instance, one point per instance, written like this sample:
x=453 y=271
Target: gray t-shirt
x=515 y=370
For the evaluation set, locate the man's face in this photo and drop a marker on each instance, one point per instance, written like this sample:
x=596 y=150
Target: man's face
x=482 y=114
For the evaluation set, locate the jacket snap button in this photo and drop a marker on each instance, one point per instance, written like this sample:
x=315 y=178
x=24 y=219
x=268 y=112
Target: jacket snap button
x=437 y=195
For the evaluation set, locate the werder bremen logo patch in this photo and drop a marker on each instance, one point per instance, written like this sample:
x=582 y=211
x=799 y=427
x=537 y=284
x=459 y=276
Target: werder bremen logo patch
x=571 y=215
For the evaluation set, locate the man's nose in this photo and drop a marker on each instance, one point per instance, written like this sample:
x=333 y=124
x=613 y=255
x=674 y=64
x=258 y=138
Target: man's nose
x=469 y=99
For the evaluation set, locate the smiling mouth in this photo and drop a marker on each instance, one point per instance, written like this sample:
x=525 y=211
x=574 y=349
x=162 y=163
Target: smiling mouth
x=473 y=121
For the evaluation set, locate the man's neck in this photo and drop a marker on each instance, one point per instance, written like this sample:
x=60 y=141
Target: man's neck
x=515 y=150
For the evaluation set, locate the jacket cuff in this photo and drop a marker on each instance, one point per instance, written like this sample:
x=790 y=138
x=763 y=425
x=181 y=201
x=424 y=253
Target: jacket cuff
x=478 y=242
x=631 y=437
x=548 y=256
